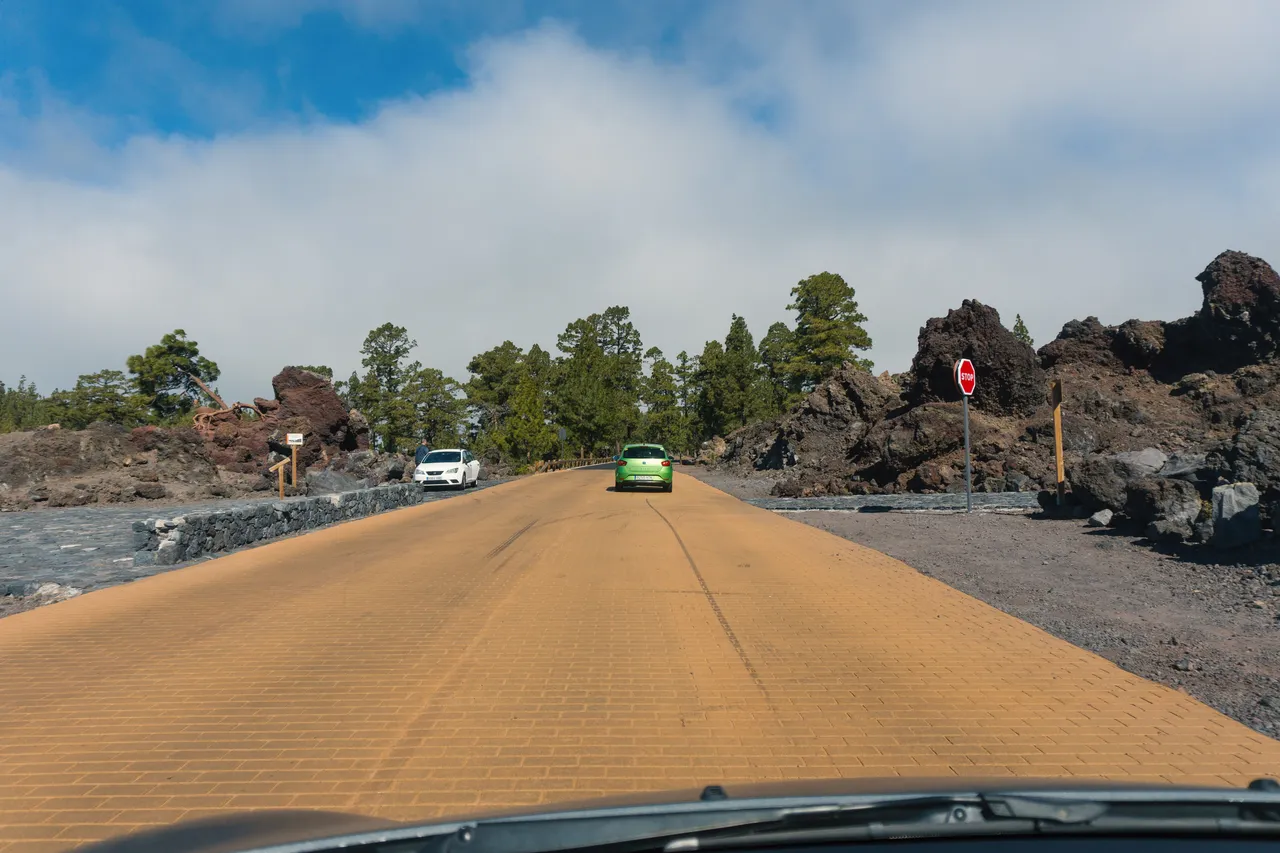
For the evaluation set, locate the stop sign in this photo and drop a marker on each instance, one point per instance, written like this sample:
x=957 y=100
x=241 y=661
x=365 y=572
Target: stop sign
x=966 y=379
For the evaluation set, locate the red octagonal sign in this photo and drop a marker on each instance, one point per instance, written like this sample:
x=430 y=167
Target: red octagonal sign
x=966 y=379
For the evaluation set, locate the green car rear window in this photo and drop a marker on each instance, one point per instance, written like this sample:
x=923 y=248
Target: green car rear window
x=644 y=453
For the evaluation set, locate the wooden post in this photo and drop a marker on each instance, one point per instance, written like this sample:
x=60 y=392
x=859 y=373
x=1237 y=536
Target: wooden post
x=279 y=469
x=1055 y=398
x=293 y=471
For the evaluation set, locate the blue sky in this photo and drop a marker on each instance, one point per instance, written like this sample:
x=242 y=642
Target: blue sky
x=481 y=171
x=205 y=67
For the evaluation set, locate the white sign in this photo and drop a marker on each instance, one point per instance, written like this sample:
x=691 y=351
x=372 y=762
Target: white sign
x=295 y=439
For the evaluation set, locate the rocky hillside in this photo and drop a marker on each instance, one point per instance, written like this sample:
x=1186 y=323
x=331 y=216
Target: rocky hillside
x=226 y=454
x=1200 y=395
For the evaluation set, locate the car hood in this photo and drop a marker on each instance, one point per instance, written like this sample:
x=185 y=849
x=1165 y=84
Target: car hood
x=257 y=830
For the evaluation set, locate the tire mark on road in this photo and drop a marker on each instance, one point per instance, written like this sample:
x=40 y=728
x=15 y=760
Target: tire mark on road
x=715 y=608
x=510 y=540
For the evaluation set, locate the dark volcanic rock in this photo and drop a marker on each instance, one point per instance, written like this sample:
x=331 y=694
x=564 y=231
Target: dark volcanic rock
x=1172 y=506
x=1155 y=414
x=1139 y=343
x=1253 y=456
x=822 y=431
x=305 y=403
x=311 y=397
x=1010 y=381
x=1241 y=310
x=1084 y=341
x=151 y=491
x=1134 y=343
x=900 y=444
x=1101 y=482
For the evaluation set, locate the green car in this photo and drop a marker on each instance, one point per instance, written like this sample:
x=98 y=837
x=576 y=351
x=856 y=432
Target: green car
x=642 y=465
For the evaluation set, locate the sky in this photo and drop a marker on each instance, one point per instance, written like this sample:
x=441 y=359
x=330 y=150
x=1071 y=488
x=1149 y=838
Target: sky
x=278 y=177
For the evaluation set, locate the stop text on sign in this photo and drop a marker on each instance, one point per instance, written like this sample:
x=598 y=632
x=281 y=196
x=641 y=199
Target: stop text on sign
x=966 y=378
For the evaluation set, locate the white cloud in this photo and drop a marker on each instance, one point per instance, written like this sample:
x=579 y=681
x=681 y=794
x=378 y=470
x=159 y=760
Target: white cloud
x=922 y=161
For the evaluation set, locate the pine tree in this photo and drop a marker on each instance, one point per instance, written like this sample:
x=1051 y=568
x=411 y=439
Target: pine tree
x=775 y=354
x=664 y=422
x=828 y=329
x=740 y=374
x=1020 y=331
x=526 y=436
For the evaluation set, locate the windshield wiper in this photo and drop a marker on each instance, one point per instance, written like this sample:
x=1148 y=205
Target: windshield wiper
x=984 y=815
x=930 y=816
x=717 y=821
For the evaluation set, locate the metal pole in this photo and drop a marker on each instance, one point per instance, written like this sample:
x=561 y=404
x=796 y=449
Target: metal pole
x=968 y=471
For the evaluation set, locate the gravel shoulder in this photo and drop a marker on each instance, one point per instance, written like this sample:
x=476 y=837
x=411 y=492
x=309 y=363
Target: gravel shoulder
x=1209 y=629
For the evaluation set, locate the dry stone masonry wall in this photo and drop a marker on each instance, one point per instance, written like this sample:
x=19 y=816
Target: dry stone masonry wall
x=166 y=542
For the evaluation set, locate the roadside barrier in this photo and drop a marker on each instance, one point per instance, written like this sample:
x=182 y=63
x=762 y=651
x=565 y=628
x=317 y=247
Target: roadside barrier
x=166 y=542
x=562 y=464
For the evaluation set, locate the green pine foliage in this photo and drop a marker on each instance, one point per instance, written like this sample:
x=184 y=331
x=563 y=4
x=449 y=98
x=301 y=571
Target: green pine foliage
x=599 y=389
x=1020 y=332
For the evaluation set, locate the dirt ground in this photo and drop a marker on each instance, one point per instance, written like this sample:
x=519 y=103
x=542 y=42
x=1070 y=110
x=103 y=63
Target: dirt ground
x=1207 y=628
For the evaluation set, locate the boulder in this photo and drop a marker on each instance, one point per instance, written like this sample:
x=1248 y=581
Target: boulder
x=1256 y=380
x=1101 y=518
x=306 y=403
x=824 y=430
x=1085 y=341
x=150 y=491
x=308 y=396
x=1236 y=519
x=1140 y=463
x=1169 y=507
x=932 y=477
x=1016 y=481
x=712 y=450
x=1192 y=467
x=70 y=497
x=902 y=443
x=321 y=482
x=1010 y=380
x=1101 y=482
x=1241 y=309
x=1253 y=456
x=1139 y=343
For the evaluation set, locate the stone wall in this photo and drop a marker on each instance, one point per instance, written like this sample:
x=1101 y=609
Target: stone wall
x=166 y=542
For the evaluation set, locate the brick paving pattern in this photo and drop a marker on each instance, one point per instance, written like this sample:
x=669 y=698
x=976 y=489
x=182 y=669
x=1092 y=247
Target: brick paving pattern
x=543 y=641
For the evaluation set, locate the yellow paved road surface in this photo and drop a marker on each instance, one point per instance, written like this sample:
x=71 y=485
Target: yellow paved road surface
x=546 y=640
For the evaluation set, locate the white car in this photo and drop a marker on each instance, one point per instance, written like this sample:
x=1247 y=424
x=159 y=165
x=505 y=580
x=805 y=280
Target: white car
x=456 y=468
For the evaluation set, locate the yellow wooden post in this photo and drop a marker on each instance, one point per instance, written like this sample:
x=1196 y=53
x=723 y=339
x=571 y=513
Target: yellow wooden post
x=1056 y=399
x=279 y=469
x=293 y=470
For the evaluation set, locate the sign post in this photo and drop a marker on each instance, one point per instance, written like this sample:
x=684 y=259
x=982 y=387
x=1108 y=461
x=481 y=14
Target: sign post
x=1055 y=398
x=966 y=381
x=295 y=440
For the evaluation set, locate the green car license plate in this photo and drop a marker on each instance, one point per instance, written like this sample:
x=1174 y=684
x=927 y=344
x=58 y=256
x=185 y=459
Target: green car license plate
x=647 y=477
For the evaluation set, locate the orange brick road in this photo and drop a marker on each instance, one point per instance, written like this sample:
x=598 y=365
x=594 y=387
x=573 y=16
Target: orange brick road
x=548 y=640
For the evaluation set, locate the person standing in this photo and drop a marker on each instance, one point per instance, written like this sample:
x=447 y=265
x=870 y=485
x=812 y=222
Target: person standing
x=423 y=450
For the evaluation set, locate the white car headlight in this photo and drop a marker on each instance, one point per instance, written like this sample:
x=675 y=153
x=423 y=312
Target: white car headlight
x=452 y=471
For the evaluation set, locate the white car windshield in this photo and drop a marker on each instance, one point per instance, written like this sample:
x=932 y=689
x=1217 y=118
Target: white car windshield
x=442 y=456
